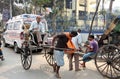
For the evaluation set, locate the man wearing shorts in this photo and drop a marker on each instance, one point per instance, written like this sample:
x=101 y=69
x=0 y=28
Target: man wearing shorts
x=62 y=40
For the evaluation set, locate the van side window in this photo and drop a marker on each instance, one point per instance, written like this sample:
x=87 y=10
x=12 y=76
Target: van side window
x=6 y=27
x=10 y=26
x=17 y=25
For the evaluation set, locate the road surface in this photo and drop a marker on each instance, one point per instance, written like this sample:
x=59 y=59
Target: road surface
x=11 y=68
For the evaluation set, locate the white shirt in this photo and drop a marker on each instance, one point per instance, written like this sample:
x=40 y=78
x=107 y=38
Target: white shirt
x=36 y=26
x=44 y=26
x=77 y=40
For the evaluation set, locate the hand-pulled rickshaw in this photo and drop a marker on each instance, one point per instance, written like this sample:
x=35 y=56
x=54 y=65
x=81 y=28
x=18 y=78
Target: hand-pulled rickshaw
x=30 y=44
x=107 y=59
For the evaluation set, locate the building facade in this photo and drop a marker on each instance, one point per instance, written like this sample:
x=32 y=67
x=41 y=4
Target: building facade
x=81 y=10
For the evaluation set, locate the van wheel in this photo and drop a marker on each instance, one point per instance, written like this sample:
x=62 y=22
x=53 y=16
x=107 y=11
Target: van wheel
x=4 y=43
x=16 y=49
x=39 y=50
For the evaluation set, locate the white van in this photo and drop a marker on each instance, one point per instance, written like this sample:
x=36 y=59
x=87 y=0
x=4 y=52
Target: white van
x=13 y=34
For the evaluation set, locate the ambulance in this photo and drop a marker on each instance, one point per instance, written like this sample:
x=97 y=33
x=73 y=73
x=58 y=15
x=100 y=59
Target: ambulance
x=13 y=30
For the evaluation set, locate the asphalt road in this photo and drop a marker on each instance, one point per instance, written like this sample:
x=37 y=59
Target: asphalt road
x=11 y=68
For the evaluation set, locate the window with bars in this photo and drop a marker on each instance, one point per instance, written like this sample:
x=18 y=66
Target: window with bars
x=82 y=15
x=68 y=4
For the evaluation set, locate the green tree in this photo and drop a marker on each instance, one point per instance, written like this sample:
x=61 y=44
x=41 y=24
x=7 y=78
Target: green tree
x=103 y=13
x=109 y=14
x=40 y=3
x=58 y=8
x=56 y=5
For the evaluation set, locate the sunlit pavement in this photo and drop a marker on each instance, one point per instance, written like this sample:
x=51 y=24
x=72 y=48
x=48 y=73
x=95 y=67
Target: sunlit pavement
x=11 y=68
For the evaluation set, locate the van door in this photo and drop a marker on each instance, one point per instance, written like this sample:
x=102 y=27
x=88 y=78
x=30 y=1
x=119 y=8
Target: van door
x=17 y=30
x=8 y=32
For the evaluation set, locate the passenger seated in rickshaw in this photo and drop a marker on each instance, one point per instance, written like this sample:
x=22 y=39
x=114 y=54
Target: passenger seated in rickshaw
x=36 y=29
x=40 y=30
x=92 y=48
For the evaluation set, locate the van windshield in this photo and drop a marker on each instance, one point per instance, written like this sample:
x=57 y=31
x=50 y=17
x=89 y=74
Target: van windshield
x=29 y=16
x=28 y=19
x=28 y=22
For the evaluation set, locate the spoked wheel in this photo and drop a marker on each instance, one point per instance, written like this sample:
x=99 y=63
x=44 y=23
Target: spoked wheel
x=49 y=56
x=26 y=58
x=107 y=61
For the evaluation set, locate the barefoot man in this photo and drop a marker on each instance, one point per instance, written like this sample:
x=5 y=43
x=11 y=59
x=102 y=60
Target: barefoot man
x=62 y=40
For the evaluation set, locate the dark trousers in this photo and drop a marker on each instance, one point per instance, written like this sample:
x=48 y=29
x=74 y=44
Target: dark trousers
x=1 y=52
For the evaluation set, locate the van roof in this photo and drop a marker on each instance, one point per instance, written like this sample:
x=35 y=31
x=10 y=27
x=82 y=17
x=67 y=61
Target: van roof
x=23 y=16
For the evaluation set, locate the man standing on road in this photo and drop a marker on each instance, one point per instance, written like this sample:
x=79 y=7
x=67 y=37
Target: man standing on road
x=77 y=40
x=62 y=40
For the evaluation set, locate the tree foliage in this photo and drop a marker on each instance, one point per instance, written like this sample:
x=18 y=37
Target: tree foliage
x=102 y=12
x=41 y=2
x=58 y=7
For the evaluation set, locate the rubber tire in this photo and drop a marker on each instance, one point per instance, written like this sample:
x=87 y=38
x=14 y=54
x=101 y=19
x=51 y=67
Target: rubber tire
x=16 y=49
x=39 y=50
x=22 y=59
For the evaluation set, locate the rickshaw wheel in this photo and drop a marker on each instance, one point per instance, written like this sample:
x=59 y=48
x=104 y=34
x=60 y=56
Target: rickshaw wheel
x=107 y=61
x=49 y=56
x=26 y=58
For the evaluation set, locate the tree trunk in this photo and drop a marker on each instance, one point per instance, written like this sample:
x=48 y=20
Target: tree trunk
x=13 y=9
x=110 y=7
x=94 y=17
x=109 y=19
x=54 y=17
